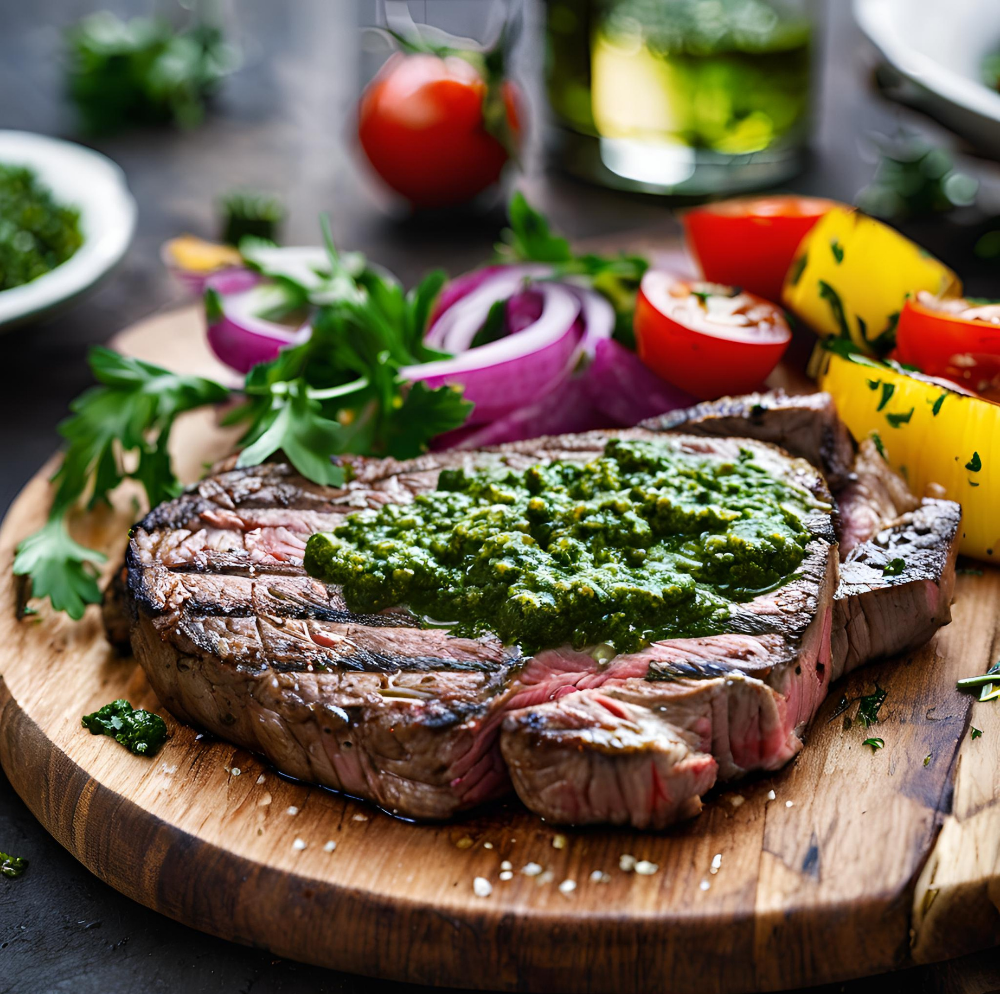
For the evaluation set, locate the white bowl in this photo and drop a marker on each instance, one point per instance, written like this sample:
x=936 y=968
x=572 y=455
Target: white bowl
x=939 y=46
x=89 y=181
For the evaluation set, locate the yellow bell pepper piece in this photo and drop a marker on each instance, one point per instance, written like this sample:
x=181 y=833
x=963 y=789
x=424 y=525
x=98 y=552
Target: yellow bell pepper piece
x=199 y=256
x=852 y=274
x=930 y=434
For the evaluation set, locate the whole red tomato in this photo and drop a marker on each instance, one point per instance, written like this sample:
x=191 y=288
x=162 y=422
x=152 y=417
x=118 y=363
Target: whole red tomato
x=421 y=123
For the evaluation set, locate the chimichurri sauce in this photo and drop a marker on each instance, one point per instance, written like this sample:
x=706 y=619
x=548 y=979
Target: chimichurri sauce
x=644 y=543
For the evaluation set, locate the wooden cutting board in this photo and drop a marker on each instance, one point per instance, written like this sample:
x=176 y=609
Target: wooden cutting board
x=845 y=863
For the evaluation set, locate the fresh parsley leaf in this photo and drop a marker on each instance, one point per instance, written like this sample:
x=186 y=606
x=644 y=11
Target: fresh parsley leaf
x=529 y=237
x=424 y=414
x=888 y=389
x=875 y=743
x=894 y=567
x=132 y=408
x=936 y=409
x=977 y=733
x=975 y=464
x=838 y=251
x=880 y=447
x=60 y=568
x=798 y=267
x=927 y=759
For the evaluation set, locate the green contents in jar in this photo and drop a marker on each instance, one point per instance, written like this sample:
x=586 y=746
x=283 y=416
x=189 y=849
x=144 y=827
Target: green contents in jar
x=646 y=542
x=731 y=76
x=36 y=233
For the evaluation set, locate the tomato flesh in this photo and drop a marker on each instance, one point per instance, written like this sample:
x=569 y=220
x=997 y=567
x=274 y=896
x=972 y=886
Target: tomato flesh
x=952 y=338
x=420 y=124
x=707 y=339
x=750 y=242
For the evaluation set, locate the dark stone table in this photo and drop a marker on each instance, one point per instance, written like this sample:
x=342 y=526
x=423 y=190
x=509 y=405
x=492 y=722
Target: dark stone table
x=283 y=124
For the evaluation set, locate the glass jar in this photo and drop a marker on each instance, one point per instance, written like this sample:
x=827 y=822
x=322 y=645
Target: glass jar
x=687 y=97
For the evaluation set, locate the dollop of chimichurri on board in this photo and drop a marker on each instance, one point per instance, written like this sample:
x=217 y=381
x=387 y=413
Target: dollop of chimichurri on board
x=643 y=543
x=36 y=233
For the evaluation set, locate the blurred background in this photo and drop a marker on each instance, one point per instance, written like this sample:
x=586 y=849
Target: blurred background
x=628 y=110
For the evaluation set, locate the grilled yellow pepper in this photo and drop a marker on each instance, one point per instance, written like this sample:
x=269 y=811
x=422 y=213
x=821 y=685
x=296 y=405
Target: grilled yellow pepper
x=852 y=274
x=930 y=434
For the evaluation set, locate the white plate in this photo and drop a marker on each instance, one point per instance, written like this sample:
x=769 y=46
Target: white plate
x=939 y=46
x=92 y=183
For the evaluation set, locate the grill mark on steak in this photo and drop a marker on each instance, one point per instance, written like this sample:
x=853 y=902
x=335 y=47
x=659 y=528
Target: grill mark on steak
x=237 y=639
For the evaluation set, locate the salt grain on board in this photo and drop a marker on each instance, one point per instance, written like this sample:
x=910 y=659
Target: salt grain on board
x=626 y=863
x=481 y=887
x=716 y=863
x=292 y=810
x=506 y=875
x=770 y=795
x=260 y=779
x=567 y=887
x=558 y=841
x=330 y=846
x=646 y=869
x=600 y=877
x=506 y=865
x=299 y=844
x=531 y=870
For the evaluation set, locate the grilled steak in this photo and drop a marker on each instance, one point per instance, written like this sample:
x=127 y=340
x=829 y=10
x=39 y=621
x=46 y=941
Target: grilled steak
x=236 y=638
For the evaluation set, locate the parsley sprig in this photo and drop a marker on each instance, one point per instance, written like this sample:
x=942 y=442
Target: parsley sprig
x=529 y=238
x=339 y=392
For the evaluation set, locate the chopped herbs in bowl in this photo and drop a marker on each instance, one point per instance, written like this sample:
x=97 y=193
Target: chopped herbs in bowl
x=37 y=233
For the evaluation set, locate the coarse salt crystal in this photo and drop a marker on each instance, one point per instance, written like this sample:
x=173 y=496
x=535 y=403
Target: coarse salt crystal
x=506 y=865
x=292 y=810
x=506 y=875
x=487 y=845
x=600 y=877
x=330 y=846
x=546 y=878
x=481 y=887
x=567 y=887
x=626 y=863
x=260 y=779
x=716 y=863
x=531 y=870
x=558 y=841
x=789 y=804
x=704 y=885
x=360 y=818
x=299 y=844
x=737 y=800
x=770 y=795
x=646 y=869
x=236 y=771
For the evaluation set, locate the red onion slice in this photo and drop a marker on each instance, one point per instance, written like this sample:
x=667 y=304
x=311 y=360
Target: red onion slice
x=242 y=339
x=516 y=371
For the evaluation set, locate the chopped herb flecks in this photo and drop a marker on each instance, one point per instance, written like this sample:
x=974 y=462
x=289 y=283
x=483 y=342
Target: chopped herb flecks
x=831 y=296
x=869 y=705
x=141 y=732
x=795 y=274
x=838 y=251
x=975 y=464
x=888 y=389
x=876 y=744
x=900 y=419
x=977 y=733
x=894 y=567
x=877 y=439
x=12 y=866
x=936 y=409
x=927 y=760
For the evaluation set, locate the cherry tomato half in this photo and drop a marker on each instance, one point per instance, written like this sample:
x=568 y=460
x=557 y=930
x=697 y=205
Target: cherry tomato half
x=952 y=338
x=711 y=340
x=421 y=126
x=750 y=242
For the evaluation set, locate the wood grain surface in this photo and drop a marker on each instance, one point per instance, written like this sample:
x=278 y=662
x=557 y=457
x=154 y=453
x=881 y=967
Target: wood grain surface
x=836 y=867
